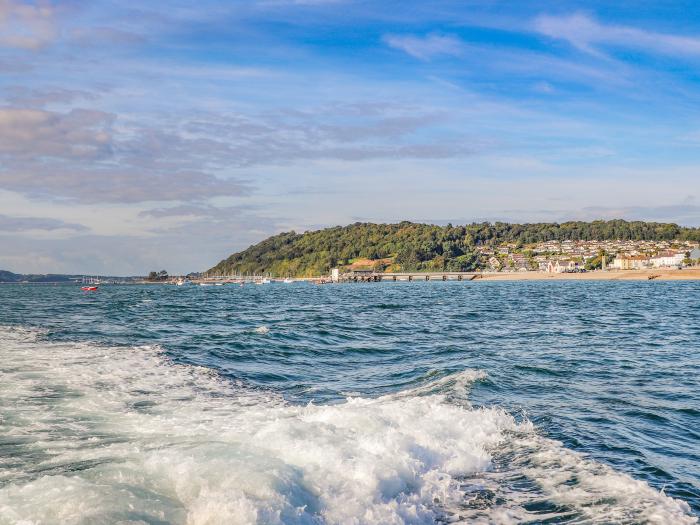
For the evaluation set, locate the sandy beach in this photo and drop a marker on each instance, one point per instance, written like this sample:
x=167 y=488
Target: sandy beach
x=660 y=274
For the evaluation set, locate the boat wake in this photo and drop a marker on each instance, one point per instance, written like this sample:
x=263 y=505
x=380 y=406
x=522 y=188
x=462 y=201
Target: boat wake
x=93 y=434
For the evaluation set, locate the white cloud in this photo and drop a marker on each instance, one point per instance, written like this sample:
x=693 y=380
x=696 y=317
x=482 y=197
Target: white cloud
x=26 y=26
x=427 y=47
x=586 y=33
x=32 y=133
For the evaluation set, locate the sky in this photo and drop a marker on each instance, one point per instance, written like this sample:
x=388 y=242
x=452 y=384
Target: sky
x=139 y=136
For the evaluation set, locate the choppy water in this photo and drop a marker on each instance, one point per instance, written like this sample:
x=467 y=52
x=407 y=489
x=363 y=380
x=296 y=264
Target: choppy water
x=522 y=402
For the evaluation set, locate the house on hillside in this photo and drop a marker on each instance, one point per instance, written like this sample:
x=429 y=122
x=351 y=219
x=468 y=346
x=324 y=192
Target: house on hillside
x=494 y=263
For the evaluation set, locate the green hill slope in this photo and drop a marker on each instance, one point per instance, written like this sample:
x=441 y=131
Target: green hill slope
x=414 y=247
x=9 y=277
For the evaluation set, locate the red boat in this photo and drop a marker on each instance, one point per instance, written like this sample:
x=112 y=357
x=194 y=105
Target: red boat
x=89 y=288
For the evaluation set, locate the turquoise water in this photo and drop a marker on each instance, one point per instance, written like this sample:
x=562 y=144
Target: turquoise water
x=469 y=402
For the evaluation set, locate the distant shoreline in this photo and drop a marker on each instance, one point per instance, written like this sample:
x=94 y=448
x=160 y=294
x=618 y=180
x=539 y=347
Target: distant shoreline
x=657 y=274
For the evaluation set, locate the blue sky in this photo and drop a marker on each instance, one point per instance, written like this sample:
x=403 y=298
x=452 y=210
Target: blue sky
x=146 y=135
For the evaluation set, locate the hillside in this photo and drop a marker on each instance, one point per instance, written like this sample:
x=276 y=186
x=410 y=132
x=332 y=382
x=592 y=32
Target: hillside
x=414 y=247
x=9 y=277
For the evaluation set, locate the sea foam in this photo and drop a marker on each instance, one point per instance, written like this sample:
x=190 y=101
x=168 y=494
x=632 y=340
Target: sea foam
x=95 y=434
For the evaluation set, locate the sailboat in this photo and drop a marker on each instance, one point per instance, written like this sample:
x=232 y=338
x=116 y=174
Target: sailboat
x=90 y=284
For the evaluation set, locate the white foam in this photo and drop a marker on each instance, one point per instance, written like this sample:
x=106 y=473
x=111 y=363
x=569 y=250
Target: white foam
x=107 y=435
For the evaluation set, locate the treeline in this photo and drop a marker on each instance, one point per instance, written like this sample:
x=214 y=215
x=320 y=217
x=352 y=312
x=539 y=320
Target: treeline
x=9 y=277
x=415 y=247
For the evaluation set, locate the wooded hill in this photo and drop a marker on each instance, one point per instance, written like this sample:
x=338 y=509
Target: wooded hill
x=414 y=247
x=9 y=277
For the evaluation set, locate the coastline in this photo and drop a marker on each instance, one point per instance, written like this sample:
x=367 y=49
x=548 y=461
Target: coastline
x=656 y=274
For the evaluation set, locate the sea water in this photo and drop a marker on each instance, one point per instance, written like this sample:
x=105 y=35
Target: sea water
x=382 y=403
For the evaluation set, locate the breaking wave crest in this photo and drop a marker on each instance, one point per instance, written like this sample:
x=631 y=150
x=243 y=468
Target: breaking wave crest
x=94 y=434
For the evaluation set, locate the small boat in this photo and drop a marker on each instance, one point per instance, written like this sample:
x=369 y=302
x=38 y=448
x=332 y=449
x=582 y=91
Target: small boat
x=89 y=288
x=288 y=281
x=205 y=284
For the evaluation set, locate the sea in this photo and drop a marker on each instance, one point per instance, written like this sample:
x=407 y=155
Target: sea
x=365 y=403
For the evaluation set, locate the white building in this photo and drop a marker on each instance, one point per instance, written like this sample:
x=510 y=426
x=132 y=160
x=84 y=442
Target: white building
x=667 y=259
x=561 y=266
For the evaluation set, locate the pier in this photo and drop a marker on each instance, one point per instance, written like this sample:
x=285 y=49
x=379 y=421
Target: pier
x=374 y=277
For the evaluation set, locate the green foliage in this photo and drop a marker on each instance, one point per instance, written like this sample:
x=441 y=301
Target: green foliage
x=422 y=247
x=594 y=264
x=158 y=276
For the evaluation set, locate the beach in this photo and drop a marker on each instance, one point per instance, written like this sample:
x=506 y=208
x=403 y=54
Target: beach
x=660 y=274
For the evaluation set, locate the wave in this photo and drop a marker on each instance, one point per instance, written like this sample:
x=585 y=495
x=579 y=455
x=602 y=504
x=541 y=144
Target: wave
x=101 y=435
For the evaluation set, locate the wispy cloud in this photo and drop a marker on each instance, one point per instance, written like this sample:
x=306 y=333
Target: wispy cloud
x=427 y=47
x=27 y=97
x=684 y=214
x=26 y=224
x=33 y=133
x=588 y=34
x=26 y=25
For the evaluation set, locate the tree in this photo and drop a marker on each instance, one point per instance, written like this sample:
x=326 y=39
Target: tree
x=416 y=247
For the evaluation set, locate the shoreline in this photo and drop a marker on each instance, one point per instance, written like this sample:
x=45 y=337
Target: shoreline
x=656 y=274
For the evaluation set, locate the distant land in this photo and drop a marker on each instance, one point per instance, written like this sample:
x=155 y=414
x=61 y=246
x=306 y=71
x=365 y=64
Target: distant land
x=7 y=277
x=496 y=246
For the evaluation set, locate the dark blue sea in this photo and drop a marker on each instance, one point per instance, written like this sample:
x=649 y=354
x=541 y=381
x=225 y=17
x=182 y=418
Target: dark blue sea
x=384 y=403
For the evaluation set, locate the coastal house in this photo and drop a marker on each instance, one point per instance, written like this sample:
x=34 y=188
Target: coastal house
x=667 y=259
x=630 y=262
x=519 y=263
x=561 y=266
